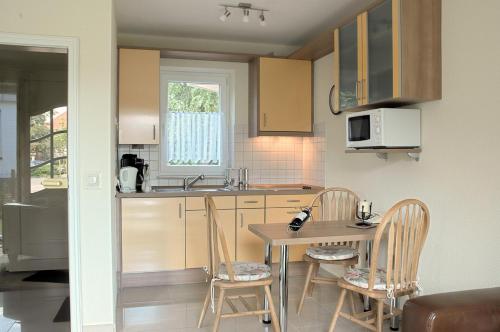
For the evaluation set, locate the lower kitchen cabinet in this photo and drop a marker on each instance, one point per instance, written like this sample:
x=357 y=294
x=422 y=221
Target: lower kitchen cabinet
x=250 y=248
x=285 y=215
x=196 y=236
x=153 y=234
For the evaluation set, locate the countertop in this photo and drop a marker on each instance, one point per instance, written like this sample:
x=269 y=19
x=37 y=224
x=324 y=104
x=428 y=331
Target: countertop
x=281 y=189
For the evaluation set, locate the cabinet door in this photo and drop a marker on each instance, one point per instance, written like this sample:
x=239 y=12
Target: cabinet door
x=250 y=248
x=153 y=234
x=197 y=238
x=348 y=66
x=139 y=96
x=380 y=52
x=285 y=215
x=285 y=98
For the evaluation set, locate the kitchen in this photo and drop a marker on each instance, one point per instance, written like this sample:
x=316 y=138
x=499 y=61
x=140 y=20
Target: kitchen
x=142 y=257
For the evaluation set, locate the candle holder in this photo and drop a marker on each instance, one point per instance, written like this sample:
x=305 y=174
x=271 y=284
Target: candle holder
x=363 y=213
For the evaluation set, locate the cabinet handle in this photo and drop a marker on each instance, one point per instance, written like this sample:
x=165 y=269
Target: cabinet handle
x=180 y=211
x=357 y=92
x=154 y=132
x=292 y=212
x=293 y=200
x=265 y=120
x=241 y=220
x=250 y=202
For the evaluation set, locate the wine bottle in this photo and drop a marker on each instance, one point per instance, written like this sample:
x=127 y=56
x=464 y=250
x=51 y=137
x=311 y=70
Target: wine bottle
x=299 y=219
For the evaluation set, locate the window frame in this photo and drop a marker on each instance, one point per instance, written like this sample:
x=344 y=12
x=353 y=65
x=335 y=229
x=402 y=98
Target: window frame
x=51 y=135
x=199 y=75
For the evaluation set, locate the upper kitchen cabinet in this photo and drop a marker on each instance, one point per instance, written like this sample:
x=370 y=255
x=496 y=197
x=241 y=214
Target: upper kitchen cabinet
x=280 y=97
x=139 y=96
x=390 y=55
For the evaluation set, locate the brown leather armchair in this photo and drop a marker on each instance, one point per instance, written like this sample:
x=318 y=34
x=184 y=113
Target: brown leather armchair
x=466 y=311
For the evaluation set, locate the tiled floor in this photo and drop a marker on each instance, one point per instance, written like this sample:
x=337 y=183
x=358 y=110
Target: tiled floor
x=32 y=310
x=177 y=308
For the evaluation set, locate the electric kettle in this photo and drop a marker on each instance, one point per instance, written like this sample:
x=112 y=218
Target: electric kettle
x=128 y=177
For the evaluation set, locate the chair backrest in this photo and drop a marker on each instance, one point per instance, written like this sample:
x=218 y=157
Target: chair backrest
x=217 y=245
x=335 y=204
x=404 y=228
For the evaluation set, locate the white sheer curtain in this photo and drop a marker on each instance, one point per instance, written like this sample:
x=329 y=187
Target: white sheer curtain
x=194 y=138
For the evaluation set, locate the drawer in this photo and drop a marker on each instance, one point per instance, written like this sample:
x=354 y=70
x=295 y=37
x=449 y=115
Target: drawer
x=221 y=203
x=250 y=202
x=288 y=200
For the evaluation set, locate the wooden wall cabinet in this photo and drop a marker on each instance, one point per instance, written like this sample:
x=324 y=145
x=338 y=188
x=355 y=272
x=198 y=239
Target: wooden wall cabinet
x=139 y=96
x=280 y=97
x=153 y=234
x=389 y=55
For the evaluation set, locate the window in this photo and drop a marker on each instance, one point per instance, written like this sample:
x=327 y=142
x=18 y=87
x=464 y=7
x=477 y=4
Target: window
x=48 y=146
x=195 y=120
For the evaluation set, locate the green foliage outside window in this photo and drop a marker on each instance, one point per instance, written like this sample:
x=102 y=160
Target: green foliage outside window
x=183 y=97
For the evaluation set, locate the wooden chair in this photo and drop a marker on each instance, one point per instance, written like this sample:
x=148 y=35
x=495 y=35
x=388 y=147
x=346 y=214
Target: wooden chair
x=403 y=229
x=333 y=204
x=228 y=276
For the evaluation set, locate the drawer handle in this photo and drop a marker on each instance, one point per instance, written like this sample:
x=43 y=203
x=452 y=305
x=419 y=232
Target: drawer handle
x=293 y=212
x=250 y=202
x=293 y=200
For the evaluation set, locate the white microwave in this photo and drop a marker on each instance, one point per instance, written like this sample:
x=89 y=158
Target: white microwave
x=383 y=128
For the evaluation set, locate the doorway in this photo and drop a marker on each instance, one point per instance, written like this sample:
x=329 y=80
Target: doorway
x=34 y=252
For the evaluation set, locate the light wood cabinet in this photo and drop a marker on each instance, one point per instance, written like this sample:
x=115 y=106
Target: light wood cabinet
x=138 y=96
x=389 y=55
x=250 y=248
x=280 y=97
x=285 y=215
x=153 y=234
x=196 y=236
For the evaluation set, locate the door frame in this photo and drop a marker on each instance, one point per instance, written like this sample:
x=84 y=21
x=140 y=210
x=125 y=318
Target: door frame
x=74 y=248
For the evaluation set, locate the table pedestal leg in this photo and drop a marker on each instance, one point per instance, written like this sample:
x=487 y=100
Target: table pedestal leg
x=395 y=320
x=283 y=287
x=268 y=250
x=366 y=299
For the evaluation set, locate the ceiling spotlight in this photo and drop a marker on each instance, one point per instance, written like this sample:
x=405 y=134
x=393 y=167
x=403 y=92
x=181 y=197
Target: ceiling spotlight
x=263 y=22
x=246 y=15
x=246 y=9
x=224 y=16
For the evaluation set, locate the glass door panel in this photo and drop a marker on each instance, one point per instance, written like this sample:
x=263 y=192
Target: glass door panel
x=348 y=66
x=380 y=62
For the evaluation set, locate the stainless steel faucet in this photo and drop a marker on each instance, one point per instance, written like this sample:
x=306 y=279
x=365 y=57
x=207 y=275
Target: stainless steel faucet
x=188 y=184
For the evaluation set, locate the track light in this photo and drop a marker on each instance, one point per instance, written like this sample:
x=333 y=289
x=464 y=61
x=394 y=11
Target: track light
x=224 y=16
x=246 y=15
x=263 y=22
x=246 y=8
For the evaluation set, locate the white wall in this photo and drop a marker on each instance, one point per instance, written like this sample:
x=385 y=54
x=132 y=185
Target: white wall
x=8 y=142
x=91 y=22
x=457 y=175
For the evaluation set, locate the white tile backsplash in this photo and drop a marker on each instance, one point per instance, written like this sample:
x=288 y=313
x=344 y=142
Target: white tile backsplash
x=270 y=159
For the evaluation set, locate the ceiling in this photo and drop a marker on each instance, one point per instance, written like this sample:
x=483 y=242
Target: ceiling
x=17 y=62
x=289 y=22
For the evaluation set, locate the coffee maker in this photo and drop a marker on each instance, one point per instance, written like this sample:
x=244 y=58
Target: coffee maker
x=131 y=160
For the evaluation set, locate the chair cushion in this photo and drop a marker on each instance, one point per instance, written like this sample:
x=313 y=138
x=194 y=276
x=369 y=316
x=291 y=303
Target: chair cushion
x=359 y=277
x=246 y=271
x=331 y=253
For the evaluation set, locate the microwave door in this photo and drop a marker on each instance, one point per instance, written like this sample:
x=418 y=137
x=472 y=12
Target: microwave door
x=359 y=128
